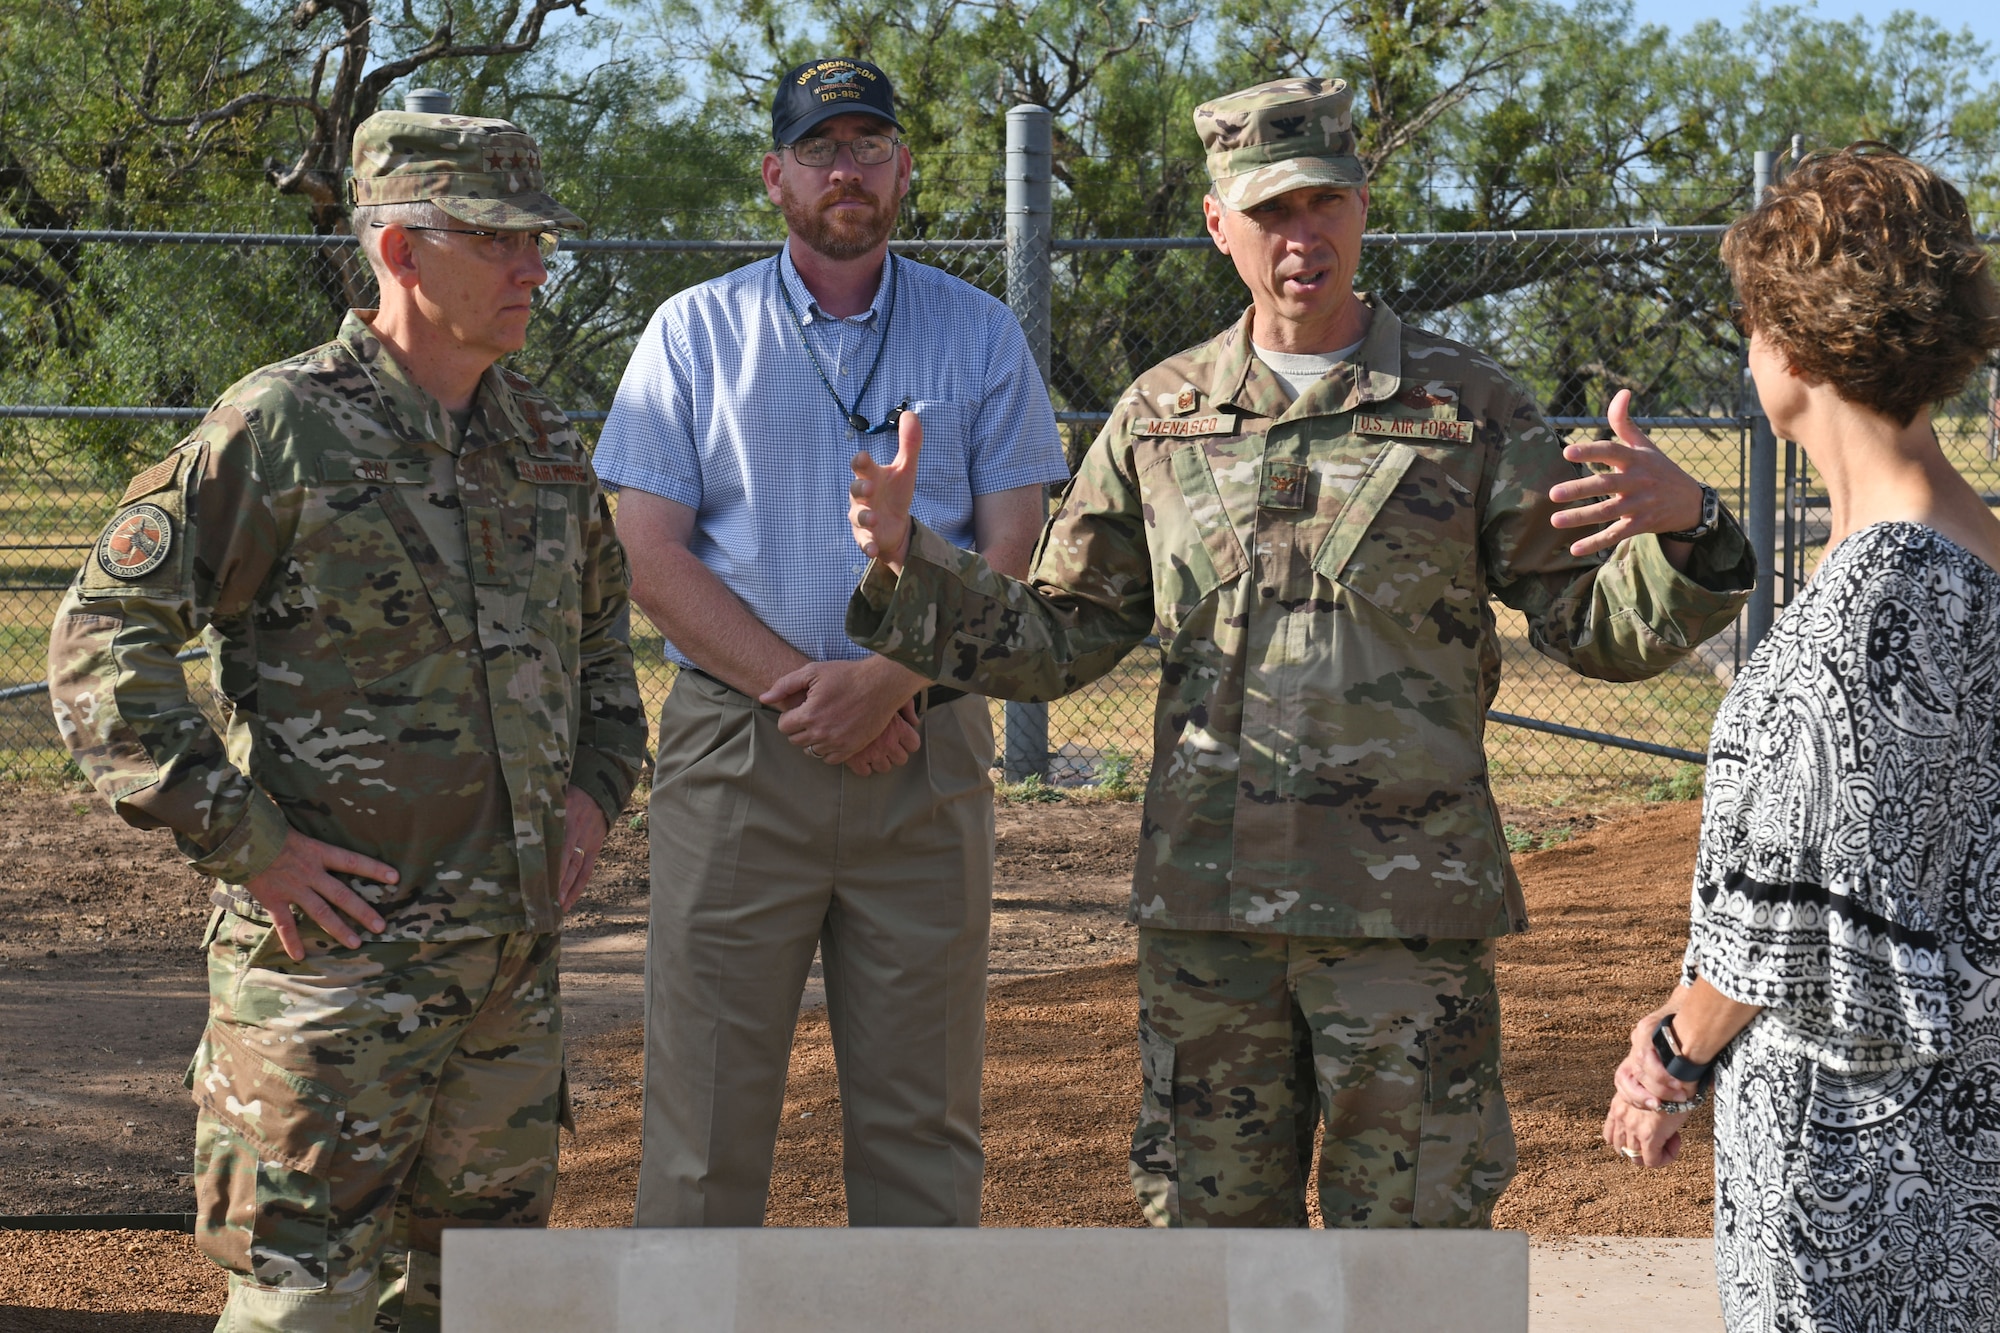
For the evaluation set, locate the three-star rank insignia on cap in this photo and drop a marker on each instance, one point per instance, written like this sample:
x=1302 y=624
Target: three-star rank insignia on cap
x=136 y=542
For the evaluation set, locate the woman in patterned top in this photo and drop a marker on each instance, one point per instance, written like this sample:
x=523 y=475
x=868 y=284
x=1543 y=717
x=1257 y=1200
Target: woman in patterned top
x=1843 y=962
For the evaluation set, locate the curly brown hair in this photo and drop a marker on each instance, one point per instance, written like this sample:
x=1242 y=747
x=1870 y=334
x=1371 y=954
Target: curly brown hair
x=1862 y=268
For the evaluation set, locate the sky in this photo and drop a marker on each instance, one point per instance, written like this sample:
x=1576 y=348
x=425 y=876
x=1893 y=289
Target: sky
x=1981 y=16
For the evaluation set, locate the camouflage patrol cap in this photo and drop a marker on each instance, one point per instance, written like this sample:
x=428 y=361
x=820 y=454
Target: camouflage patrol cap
x=485 y=172
x=1279 y=136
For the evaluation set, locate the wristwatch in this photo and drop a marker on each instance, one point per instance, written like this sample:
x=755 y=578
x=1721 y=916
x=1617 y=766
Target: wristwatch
x=1711 y=518
x=1667 y=1045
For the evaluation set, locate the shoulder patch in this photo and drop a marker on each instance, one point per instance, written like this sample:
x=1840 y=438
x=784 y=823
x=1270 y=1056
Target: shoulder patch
x=1215 y=423
x=136 y=542
x=155 y=478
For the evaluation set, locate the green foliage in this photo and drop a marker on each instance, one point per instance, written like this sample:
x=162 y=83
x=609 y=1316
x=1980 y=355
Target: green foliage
x=1118 y=775
x=1030 y=790
x=1521 y=839
x=1687 y=783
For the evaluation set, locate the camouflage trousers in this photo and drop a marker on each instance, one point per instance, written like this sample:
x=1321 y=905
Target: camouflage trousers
x=354 y=1105
x=1247 y=1041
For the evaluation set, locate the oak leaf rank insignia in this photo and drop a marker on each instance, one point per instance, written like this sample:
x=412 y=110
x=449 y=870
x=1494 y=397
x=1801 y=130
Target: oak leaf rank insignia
x=136 y=542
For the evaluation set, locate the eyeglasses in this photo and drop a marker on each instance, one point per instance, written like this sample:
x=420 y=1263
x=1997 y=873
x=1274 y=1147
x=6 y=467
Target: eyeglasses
x=498 y=246
x=870 y=150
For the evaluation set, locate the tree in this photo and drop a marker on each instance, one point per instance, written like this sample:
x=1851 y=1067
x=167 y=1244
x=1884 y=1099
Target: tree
x=123 y=130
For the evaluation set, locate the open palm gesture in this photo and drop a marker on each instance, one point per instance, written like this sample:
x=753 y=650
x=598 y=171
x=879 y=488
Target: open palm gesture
x=1636 y=487
x=879 y=510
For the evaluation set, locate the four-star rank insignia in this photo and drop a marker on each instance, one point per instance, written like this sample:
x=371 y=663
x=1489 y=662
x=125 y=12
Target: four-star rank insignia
x=136 y=542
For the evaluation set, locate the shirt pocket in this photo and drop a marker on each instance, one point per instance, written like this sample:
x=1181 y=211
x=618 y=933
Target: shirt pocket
x=1404 y=543
x=373 y=604
x=1192 y=542
x=944 y=488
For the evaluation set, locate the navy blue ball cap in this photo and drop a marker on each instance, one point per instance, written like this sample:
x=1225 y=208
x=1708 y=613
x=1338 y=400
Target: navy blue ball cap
x=822 y=89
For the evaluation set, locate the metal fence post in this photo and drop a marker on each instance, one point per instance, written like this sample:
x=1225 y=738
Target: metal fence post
x=1761 y=484
x=1030 y=231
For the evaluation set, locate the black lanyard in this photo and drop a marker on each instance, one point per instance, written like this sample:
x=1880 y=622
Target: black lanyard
x=854 y=417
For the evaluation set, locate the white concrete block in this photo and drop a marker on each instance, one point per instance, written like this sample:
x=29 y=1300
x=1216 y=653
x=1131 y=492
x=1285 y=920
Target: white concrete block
x=892 y=1280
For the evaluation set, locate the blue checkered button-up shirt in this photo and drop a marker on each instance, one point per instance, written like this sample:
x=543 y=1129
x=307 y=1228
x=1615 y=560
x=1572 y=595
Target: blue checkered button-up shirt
x=722 y=411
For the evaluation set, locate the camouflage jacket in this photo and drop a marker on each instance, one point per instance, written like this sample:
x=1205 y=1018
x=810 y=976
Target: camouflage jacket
x=1318 y=572
x=414 y=640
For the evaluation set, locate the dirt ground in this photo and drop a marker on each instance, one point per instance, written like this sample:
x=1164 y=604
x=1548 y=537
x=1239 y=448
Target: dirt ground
x=101 y=1001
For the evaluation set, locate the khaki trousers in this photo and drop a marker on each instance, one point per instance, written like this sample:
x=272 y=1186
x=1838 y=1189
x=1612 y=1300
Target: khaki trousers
x=760 y=853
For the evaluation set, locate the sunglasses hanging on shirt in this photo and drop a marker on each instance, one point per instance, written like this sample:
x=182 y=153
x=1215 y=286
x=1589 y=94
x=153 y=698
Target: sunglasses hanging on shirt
x=853 y=414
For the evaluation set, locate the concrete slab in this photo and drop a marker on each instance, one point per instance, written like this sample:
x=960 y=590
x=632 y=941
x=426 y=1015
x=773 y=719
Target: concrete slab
x=1593 y=1283
x=998 y=1281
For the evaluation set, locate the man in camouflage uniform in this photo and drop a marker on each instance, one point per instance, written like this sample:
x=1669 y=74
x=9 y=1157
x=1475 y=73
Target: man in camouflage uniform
x=398 y=558
x=1314 y=507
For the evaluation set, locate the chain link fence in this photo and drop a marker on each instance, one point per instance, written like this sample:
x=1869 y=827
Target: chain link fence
x=112 y=343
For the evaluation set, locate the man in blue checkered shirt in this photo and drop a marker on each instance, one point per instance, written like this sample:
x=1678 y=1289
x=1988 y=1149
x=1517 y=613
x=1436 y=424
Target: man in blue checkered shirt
x=856 y=814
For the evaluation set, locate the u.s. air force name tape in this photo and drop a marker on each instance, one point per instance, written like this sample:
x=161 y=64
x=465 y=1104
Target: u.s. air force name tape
x=136 y=542
x=552 y=473
x=1459 y=432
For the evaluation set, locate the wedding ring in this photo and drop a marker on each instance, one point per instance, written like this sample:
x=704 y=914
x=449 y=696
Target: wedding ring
x=814 y=752
x=1632 y=1153
x=576 y=851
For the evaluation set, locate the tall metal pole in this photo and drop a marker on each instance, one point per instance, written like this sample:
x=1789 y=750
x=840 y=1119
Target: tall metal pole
x=1761 y=482
x=1030 y=278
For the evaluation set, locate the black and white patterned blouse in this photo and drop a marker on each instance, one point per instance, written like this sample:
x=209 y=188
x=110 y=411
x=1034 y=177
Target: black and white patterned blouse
x=1849 y=882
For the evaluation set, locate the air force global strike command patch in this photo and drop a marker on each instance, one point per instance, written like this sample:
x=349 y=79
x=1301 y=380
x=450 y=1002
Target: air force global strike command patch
x=136 y=542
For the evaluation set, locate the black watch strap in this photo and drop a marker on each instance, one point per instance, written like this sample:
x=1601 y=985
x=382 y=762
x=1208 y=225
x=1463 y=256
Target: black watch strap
x=1711 y=518
x=1666 y=1045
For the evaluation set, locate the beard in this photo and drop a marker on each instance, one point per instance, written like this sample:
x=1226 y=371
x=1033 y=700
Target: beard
x=845 y=234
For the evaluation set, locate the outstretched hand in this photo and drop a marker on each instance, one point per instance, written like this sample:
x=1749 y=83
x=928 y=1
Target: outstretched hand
x=878 y=511
x=1640 y=489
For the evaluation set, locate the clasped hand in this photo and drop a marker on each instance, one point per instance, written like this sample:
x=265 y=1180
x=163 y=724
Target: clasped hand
x=1641 y=489
x=1634 y=1125
x=862 y=714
